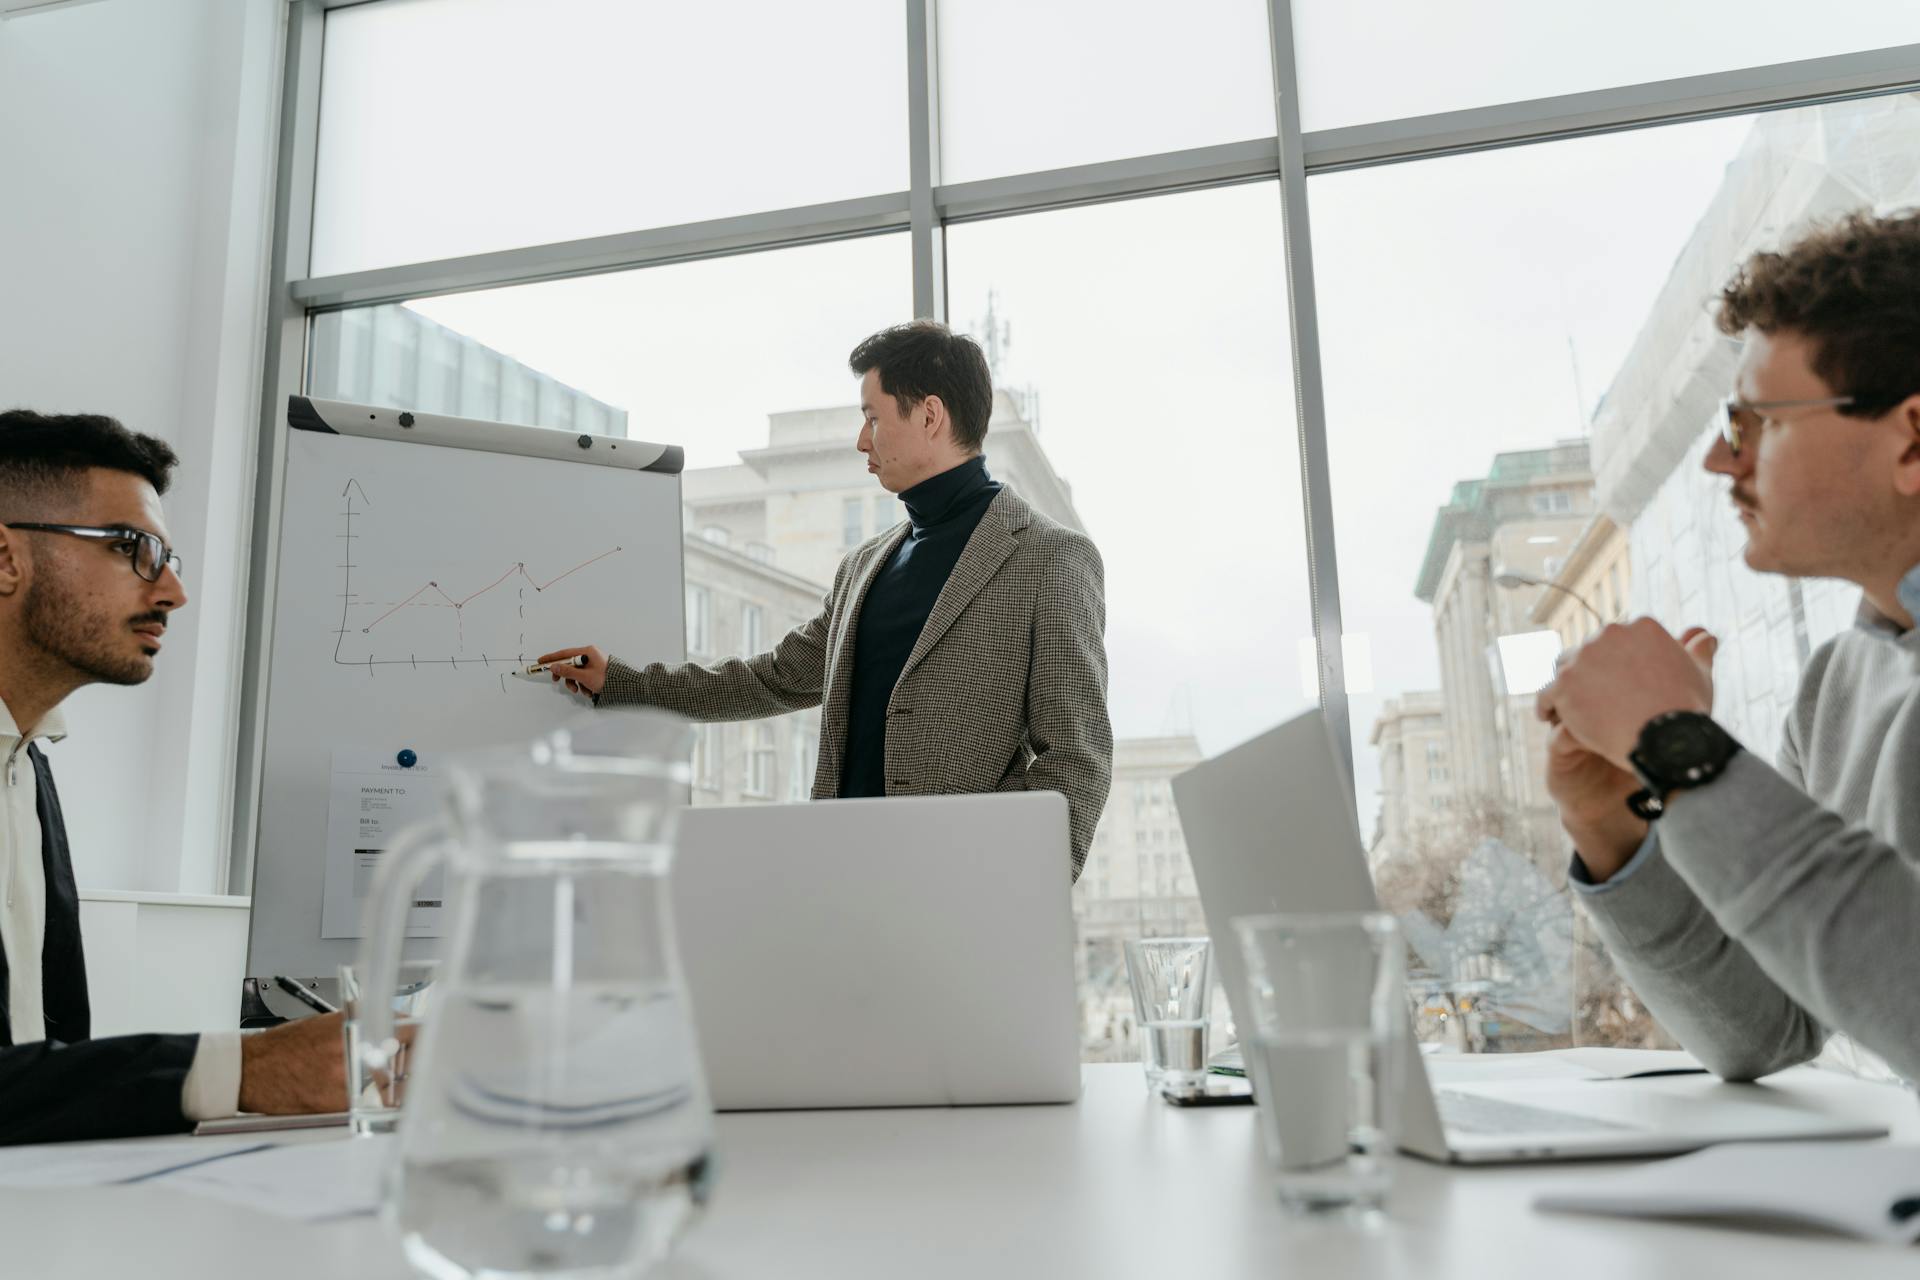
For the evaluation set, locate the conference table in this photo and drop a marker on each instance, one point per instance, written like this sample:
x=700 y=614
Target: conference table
x=1118 y=1185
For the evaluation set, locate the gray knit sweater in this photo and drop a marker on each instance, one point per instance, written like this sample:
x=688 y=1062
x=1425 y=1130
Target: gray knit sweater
x=1777 y=904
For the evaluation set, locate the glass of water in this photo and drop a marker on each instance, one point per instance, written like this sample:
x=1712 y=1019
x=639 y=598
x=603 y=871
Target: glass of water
x=1325 y=992
x=374 y=1097
x=1172 y=981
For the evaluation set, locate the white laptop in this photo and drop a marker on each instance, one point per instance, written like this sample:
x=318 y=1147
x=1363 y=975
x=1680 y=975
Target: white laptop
x=881 y=953
x=1269 y=827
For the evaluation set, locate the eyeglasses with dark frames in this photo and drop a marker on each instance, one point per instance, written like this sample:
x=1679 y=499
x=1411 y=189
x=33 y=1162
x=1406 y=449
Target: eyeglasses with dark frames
x=149 y=556
x=1741 y=418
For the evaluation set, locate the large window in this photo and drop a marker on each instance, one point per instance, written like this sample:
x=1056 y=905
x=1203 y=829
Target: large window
x=1027 y=86
x=1390 y=58
x=1522 y=373
x=1516 y=348
x=1166 y=441
x=452 y=127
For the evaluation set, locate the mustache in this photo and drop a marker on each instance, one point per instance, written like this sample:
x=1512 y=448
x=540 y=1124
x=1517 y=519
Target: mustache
x=157 y=616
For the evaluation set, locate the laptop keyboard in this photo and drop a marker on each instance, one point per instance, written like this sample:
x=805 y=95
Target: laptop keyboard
x=1485 y=1117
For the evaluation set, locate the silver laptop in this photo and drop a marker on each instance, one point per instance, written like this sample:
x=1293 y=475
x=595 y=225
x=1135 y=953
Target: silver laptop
x=881 y=953
x=1270 y=827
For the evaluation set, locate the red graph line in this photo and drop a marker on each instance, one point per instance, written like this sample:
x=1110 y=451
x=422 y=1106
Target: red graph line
x=403 y=604
x=542 y=586
x=520 y=568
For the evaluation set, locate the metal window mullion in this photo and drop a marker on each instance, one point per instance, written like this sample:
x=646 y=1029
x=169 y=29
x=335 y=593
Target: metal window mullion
x=1310 y=406
x=282 y=370
x=718 y=237
x=1775 y=87
x=1105 y=180
x=923 y=160
x=927 y=206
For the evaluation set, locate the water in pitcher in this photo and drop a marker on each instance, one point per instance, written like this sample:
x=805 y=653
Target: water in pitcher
x=572 y=1138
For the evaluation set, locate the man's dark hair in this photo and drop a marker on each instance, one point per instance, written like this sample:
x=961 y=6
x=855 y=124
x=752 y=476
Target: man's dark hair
x=925 y=358
x=1852 y=286
x=42 y=454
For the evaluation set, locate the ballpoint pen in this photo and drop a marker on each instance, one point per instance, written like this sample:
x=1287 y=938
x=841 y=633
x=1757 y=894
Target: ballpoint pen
x=304 y=996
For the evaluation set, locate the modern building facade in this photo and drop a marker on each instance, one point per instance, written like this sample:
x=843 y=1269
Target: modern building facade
x=1517 y=523
x=1416 y=771
x=396 y=357
x=1138 y=883
x=1658 y=418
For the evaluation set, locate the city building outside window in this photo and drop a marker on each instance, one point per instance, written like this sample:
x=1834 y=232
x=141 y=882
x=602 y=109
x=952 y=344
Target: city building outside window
x=760 y=762
x=706 y=758
x=1588 y=266
x=852 y=531
x=699 y=621
x=799 y=764
x=753 y=629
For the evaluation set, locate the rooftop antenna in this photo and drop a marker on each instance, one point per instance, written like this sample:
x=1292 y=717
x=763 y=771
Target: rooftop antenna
x=1579 y=391
x=996 y=335
x=1178 y=720
x=1573 y=362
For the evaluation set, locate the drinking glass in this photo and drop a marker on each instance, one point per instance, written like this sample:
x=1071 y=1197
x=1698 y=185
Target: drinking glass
x=1172 y=987
x=374 y=1097
x=1326 y=995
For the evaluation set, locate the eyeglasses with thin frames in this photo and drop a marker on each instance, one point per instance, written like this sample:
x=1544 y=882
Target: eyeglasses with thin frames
x=1741 y=418
x=149 y=556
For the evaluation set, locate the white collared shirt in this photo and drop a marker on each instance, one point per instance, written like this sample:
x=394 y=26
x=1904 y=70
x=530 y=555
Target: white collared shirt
x=23 y=881
x=212 y=1086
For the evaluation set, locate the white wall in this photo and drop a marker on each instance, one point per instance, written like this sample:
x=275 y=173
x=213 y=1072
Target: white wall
x=136 y=148
x=163 y=962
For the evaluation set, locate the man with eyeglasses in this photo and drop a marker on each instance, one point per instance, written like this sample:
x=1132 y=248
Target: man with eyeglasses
x=87 y=585
x=1758 y=910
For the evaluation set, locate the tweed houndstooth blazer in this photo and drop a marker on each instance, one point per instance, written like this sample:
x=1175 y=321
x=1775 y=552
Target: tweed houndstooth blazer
x=1005 y=690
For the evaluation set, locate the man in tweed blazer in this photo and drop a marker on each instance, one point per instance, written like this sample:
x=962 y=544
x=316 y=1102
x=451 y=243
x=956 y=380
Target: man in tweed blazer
x=961 y=652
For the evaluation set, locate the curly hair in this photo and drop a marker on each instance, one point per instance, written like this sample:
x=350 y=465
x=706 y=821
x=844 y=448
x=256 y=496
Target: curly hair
x=1853 y=287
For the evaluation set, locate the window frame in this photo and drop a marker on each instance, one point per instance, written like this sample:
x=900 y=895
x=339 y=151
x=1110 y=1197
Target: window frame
x=925 y=209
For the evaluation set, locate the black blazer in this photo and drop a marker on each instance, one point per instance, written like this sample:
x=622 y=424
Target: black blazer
x=67 y=1086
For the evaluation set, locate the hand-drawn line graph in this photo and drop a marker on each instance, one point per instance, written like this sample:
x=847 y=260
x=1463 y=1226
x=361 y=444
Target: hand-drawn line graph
x=459 y=659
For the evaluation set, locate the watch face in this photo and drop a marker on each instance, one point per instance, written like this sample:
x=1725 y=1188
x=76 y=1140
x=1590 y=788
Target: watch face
x=1684 y=743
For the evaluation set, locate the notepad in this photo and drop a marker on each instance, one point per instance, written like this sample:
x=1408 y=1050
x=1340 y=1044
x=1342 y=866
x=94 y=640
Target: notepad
x=309 y=1181
x=100 y=1164
x=248 y=1122
x=1865 y=1189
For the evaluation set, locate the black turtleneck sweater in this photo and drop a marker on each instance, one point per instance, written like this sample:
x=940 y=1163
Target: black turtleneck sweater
x=944 y=511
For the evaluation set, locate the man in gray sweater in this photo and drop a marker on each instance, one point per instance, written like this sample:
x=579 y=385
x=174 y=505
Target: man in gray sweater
x=1756 y=909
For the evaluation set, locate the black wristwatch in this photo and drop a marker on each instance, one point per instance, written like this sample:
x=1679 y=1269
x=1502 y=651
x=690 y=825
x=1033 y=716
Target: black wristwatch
x=1677 y=750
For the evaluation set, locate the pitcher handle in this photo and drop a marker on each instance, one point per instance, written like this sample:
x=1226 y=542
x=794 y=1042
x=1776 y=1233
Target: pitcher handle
x=403 y=866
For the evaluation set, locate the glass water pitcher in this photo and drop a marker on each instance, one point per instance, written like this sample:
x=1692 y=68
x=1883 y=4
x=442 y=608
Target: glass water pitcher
x=556 y=1119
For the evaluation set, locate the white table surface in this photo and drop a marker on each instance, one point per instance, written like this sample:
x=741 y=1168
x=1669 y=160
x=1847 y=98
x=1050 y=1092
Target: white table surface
x=1116 y=1186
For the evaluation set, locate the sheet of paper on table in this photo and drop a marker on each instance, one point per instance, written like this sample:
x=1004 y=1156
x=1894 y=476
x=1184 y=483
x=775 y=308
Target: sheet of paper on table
x=1866 y=1189
x=1585 y=1063
x=309 y=1181
x=100 y=1164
